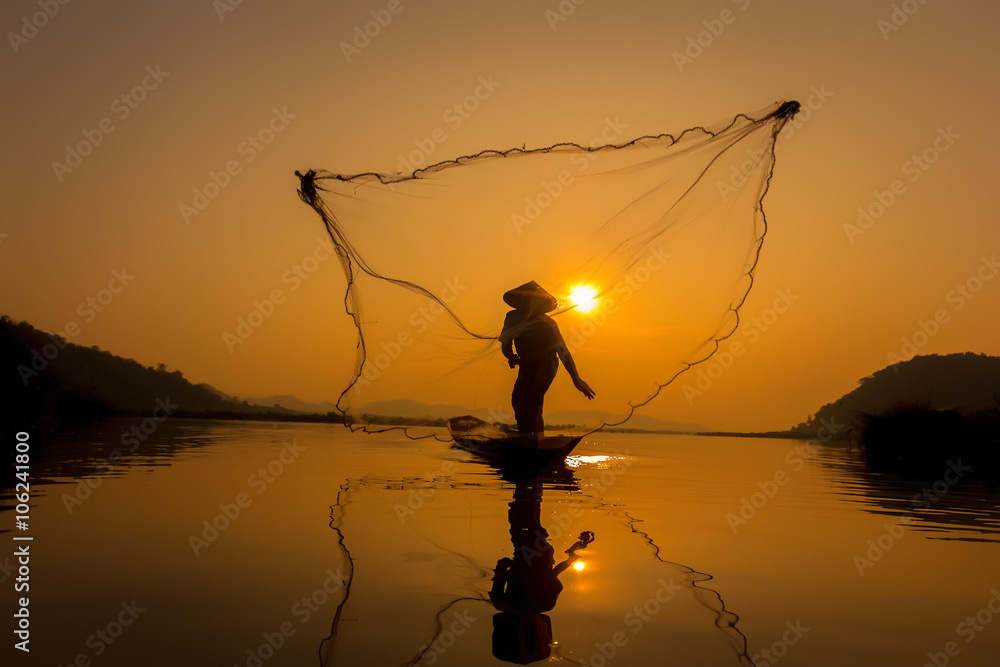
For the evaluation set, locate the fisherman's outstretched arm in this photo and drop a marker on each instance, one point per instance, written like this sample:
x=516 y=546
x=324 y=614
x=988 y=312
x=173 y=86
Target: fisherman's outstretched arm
x=567 y=360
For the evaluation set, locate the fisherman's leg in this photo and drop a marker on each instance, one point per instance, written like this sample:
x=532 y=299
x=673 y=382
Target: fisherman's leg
x=527 y=400
x=539 y=420
x=544 y=376
x=520 y=402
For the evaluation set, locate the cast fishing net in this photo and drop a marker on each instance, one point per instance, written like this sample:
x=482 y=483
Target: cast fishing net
x=664 y=231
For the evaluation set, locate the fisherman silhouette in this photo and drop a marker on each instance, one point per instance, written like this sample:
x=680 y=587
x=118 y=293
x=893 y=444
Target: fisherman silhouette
x=528 y=585
x=531 y=340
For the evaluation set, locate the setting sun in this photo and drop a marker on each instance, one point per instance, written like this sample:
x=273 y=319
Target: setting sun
x=578 y=565
x=583 y=298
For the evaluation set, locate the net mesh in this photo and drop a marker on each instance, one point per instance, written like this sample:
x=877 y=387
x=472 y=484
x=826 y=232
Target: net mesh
x=650 y=247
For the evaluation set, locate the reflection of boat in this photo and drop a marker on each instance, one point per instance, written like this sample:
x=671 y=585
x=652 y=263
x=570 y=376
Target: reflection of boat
x=493 y=443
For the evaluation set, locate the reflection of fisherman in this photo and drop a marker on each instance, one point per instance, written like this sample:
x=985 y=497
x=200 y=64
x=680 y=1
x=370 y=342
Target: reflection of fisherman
x=528 y=584
x=539 y=346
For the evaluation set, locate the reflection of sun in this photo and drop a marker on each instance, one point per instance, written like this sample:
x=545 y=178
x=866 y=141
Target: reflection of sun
x=583 y=298
x=578 y=565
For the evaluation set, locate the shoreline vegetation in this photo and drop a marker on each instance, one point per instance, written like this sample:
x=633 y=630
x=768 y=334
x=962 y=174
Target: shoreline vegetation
x=925 y=407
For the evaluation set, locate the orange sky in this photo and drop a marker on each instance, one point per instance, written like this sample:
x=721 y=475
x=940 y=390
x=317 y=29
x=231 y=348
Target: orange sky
x=162 y=97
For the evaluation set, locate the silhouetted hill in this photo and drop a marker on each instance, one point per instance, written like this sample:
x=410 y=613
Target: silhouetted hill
x=967 y=383
x=48 y=379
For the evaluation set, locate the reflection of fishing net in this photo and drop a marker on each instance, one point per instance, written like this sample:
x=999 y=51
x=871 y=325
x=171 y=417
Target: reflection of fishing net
x=426 y=551
x=666 y=230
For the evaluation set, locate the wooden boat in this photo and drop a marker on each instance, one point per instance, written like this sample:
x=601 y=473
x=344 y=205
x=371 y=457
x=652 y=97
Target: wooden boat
x=493 y=443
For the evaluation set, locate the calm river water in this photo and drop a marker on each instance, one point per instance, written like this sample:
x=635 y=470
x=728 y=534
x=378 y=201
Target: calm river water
x=249 y=544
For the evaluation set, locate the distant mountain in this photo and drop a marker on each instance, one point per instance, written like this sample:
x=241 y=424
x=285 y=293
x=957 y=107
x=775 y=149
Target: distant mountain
x=637 y=421
x=292 y=403
x=967 y=382
x=415 y=410
x=47 y=379
x=410 y=409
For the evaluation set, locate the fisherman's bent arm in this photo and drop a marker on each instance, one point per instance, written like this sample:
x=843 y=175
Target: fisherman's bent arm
x=506 y=339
